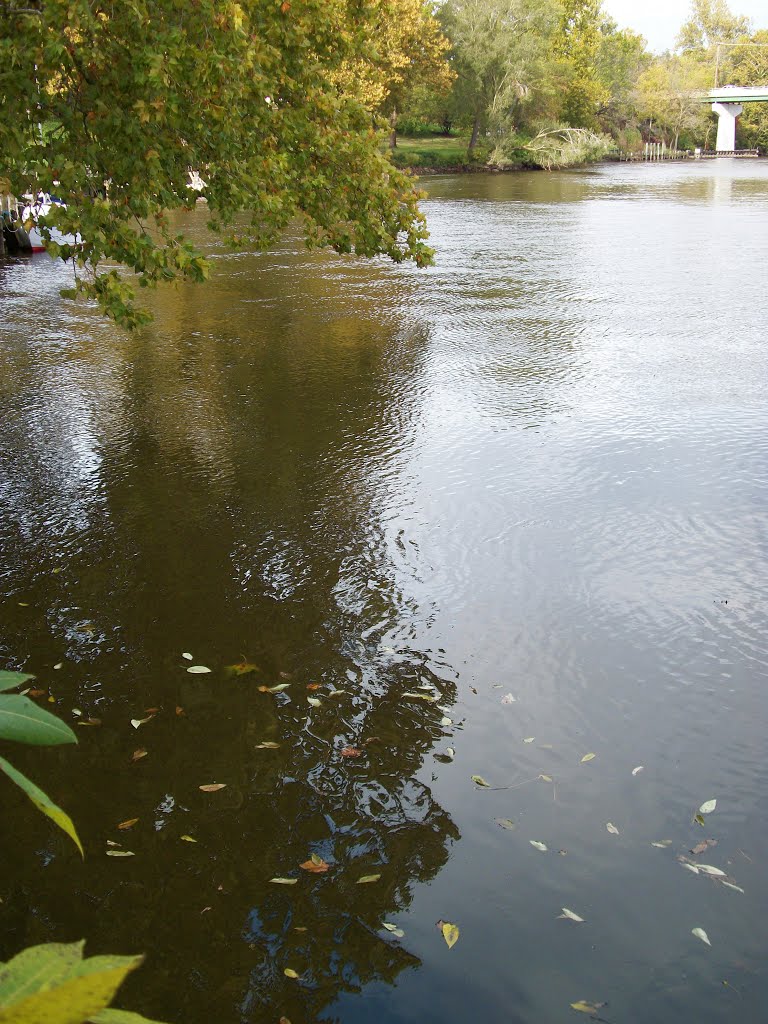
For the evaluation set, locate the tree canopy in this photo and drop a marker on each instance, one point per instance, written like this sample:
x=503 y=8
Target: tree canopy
x=110 y=103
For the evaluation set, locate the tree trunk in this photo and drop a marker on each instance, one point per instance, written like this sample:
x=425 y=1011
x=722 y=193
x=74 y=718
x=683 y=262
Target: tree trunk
x=475 y=133
x=393 y=129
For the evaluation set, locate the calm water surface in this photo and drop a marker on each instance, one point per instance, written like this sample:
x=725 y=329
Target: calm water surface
x=538 y=469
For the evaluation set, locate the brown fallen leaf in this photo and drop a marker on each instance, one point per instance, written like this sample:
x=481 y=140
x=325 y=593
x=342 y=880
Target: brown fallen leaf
x=372 y=739
x=213 y=787
x=128 y=824
x=180 y=711
x=315 y=864
x=138 y=754
x=151 y=711
x=703 y=846
x=203 y=911
x=283 y=1020
x=88 y=721
x=313 y=686
x=351 y=752
x=36 y=693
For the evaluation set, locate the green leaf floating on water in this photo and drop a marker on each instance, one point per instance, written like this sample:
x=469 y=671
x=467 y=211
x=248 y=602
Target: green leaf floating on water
x=708 y=806
x=23 y=721
x=52 y=983
x=480 y=781
x=367 y=878
x=43 y=803
x=450 y=933
x=10 y=680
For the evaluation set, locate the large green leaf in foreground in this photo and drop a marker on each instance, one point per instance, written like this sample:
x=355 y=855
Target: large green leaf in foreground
x=52 y=984
x=43 y=803
x=8 y=680
x=23 y=721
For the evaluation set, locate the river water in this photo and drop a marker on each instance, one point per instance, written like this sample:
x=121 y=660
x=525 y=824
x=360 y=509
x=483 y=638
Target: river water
x=535 y=471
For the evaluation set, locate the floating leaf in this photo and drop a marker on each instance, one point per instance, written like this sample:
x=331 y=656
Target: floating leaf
x=537 y=845
x=393 y=928
x=187 y=656
x=198 y=670
x=446 y=721
x=136 y=722
x=584 y=1007
x=284 y=881
x=367 y=878
x=450 y=933
x=84 y=722
x=691 y=867
x=421 y=696
x=58 y=665
x=480 y=781
x=127 y=824
x=277 y=688
x=545 y=778
x=138 y=754
x=179 y=710
x=314 y=702
x=612 y=829
x=120 y=853
x=703 y=846
x=588 y=757
x=290 y=973
x=242 y=668
x=212 y=787
x=708 y=806
x=506 y=823
x=701 y=934
x=42 y=802
x=351 y=752
x=508 y=699
x=450 y=752
x=570 y=916
x=336 y=693
x=188 y=839
x=529 y=739
x=636 y=771
x=267 y=745
x=730 y=885
x=663 y=844
x=315 y=864
x=707 y=869
x=699 y=819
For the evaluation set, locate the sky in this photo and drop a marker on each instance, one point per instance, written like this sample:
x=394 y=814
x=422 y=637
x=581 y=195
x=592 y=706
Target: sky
x=660 y=20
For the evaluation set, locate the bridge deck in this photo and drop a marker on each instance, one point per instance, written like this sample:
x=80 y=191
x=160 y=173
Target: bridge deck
x=737 y=94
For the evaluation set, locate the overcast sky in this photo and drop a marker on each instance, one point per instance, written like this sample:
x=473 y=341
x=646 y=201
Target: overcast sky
x=660 y=20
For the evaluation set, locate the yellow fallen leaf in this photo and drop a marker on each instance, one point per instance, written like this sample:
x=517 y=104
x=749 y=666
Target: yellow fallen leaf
x=584 y=1007
x=128 y=824
x=588 y=757
x=213 y=787
x=290 y=973
x=188 y=839
x=367 y=878
x=450 y=933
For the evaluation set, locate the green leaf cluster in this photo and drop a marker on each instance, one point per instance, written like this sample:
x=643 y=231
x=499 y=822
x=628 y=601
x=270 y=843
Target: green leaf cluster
x=53 y=983
x=22 y=721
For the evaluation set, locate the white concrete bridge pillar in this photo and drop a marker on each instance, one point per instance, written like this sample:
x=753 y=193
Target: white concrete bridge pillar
x=726 y=125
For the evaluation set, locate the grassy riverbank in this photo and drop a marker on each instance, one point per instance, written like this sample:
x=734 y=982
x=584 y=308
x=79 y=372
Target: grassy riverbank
x=434 y=151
